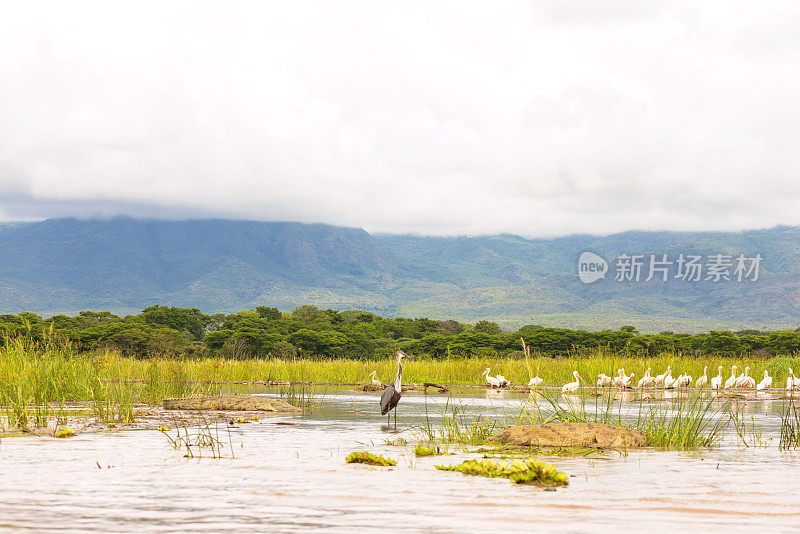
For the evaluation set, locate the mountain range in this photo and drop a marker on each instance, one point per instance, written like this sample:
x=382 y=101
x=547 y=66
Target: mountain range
x=124 y=265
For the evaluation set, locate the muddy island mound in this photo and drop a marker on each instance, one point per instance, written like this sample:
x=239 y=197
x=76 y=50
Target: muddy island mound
x=593 y=435
x=239 y=403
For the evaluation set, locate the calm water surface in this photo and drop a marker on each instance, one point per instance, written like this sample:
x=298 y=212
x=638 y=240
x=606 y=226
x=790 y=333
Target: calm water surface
x=290 y=478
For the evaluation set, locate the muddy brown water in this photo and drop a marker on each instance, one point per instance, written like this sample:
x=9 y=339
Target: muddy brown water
x=293 y=478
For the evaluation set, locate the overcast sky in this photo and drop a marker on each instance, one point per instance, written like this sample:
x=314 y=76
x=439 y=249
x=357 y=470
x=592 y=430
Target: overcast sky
x=537 y=118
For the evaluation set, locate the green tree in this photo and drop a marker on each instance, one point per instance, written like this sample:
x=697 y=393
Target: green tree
x=488 y=327
x=270 y=314
x=190 y=320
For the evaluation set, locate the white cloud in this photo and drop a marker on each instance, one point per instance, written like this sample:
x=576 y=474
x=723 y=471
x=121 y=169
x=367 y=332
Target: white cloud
x=536 y=118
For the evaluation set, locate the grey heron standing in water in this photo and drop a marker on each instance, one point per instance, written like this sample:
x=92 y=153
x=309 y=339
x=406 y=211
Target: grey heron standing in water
x=391 y=395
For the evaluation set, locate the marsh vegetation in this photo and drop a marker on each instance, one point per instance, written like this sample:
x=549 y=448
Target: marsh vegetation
x=42 y=385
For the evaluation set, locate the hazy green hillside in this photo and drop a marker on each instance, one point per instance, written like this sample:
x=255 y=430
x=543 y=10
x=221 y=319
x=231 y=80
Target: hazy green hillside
x=124 y=265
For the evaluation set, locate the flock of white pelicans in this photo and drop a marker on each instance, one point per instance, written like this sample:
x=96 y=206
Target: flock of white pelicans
x=665 y=380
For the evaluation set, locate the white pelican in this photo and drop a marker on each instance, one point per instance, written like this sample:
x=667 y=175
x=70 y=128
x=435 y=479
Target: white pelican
x=791 y=381
x=618 y=379
x=740 y=380
x=646 y=380
x=669 y=382
x=535 y=382
x=687 y=380
x=681 y=381
x=731 y=381
x=703 y=380
x=493 y=382
x=745 y=380
x=603 y=380
x=677 y=382
x=374 y=381
x=765 y=382
x=626 y=380
x=716 y=382
x=572 y=386
x=660 y=378
x=503 y=382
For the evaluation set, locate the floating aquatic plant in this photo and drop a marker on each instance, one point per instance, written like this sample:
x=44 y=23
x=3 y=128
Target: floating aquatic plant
x=529 y=472
x=422 y=450
x=65 y=432
x=362 y=457
x=242 y=420
x=163 y=428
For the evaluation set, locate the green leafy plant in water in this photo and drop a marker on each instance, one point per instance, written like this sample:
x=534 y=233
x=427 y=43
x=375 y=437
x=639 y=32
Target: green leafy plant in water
x=422 y=450
x=362 y=457
x=65 y=432
x=518 y=471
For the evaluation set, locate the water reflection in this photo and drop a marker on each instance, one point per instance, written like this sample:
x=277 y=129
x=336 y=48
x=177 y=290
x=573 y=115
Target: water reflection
x=495 y=394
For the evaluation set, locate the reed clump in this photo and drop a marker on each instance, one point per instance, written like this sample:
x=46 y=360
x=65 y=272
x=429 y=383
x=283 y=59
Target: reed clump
x=37 y=382
x=691 y=423
x=790 y=426
x=455 y=425
x=195 y=437
x=300 y=395
x=684 y=424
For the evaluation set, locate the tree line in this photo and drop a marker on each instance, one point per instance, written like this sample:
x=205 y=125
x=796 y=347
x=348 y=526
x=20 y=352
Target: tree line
x=311 y=332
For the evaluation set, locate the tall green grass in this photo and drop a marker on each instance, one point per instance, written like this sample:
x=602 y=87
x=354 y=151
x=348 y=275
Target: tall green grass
x=687 y=424
x=454 y=424
x=36 y=384
x=790 y=426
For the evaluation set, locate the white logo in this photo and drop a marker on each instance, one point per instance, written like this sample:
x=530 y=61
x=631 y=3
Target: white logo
x=591 y=267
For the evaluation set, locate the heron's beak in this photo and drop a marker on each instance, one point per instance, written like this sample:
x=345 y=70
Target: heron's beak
x=403 y=354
